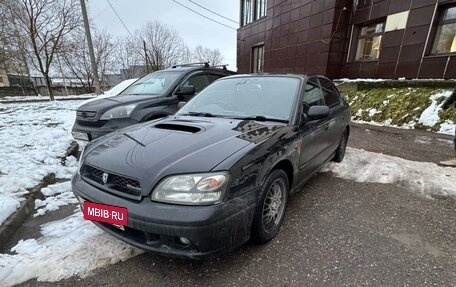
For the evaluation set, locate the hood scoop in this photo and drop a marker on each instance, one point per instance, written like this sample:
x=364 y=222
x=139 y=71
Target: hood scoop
x=178 y=128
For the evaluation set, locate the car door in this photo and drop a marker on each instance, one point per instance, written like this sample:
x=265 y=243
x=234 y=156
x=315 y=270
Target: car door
x=314 y=141
x=336 y=123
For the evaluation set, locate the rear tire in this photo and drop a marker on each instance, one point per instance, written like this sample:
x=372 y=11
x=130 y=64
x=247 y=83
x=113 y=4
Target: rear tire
x=270 y=210
x=340 y=152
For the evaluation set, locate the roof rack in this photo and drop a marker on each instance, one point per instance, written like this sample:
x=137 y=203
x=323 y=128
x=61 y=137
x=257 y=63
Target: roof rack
x=205 y=64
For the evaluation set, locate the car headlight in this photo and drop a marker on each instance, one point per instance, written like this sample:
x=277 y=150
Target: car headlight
x=80 y=160
x=118 y=112
x=192 y=189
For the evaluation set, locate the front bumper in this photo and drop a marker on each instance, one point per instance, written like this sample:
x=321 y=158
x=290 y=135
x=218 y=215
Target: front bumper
x=98 y=129
x=157 y=227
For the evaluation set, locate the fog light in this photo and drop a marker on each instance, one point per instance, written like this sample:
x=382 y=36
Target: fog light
x=184 y=241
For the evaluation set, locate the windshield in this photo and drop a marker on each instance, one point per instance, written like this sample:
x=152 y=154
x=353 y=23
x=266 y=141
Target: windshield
x=156 y=83
x=270 y=98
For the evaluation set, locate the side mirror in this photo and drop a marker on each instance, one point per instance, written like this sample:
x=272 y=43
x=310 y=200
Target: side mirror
x=186 y=91
x=318 y=112
x=180 y=105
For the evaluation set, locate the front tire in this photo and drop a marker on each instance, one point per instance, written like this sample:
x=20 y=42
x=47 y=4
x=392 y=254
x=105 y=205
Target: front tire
x=340 y=152
x=270 y=210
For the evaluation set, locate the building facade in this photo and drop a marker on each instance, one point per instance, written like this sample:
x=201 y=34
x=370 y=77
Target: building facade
x=349 y=38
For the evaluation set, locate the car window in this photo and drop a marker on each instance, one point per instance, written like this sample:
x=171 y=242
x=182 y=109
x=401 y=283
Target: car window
x=313 y=95
x=215 y=77
x=330 y=92
x=199 y=82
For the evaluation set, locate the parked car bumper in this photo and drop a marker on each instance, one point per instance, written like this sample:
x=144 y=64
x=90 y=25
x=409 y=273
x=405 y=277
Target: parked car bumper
x=94 y=130
x=160 y=228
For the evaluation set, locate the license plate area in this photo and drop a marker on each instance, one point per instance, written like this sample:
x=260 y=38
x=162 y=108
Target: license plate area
x=117 y=216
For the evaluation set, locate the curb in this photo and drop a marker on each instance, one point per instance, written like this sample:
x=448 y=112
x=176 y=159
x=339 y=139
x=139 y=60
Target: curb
x=15 y=221
x=12 y=224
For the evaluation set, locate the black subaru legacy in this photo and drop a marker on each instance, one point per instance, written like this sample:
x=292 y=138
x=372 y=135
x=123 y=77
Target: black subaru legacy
x=220 y=171
x=155 y=95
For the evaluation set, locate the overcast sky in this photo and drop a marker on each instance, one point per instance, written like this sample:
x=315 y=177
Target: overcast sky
x=194 y=29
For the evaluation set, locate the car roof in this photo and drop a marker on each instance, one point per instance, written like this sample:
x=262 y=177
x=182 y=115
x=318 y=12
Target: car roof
x=191 y=68
x=265 y=75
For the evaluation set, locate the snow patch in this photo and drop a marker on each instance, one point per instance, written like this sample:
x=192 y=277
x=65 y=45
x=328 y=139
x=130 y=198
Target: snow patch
x=448 y=127
x=430 y=116
x=68 y=247
x=33 y=138
x=422 y=177
x=8 y=206
x=56 y=195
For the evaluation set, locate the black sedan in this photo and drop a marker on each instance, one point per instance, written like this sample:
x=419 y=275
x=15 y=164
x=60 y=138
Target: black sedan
x=220 y=171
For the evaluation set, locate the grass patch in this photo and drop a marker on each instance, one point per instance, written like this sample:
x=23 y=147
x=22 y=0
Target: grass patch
x=400 y=106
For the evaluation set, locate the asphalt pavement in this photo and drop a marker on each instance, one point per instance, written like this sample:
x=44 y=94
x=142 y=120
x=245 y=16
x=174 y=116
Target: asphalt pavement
x=336 y=233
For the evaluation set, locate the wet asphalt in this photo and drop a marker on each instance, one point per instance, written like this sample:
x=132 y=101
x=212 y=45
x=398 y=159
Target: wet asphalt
x=336 y=233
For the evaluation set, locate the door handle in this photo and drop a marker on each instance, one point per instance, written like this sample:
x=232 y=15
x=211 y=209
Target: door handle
x=327 y=128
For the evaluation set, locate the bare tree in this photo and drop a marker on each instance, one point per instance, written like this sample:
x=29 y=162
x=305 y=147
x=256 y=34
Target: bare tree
x=163 y=45
x=128 y=58
x=202 y=54
x=43 y=24
x=75 y=55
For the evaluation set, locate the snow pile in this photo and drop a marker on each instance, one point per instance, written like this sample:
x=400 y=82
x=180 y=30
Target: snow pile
x=425 y=178
x=114 y=91
x=447 y=127
x=68 y=247
x=8 y=206
x=430 y=116
x=56 y=195
x=44 y=98
x=33 y=137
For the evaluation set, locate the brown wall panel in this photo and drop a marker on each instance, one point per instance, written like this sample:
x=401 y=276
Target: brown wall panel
x=420 y=16
x=422 y=3
x=407 y=70
x=451 y=69
x=397 y=6
x=416 y=35
x=433 y=67
x=386 y=71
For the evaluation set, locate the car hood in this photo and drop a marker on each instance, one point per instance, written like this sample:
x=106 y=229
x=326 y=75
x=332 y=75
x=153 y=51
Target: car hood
x=102 y=105
x=174 y=145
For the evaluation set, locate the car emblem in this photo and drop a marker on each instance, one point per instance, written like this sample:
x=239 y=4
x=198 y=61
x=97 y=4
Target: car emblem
x=105 y=178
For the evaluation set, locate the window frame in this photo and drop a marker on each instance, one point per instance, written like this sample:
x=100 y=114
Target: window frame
x=335 y=92
x=254 y=61
x=440 y=21
x=257 y=8
x=361 y=37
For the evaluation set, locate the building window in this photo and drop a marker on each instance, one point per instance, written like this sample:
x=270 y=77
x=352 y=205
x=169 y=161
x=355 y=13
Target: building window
x=445 y=40
x=258 y=59
x=261 y=8
x=253 y=10
x=369 y=42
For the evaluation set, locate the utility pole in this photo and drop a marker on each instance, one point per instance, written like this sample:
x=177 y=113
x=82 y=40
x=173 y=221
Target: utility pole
x=90 y=45
x=146 y=56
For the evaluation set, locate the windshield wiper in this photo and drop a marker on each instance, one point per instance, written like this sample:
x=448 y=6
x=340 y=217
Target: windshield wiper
x=199 y=114
x=261 y=118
